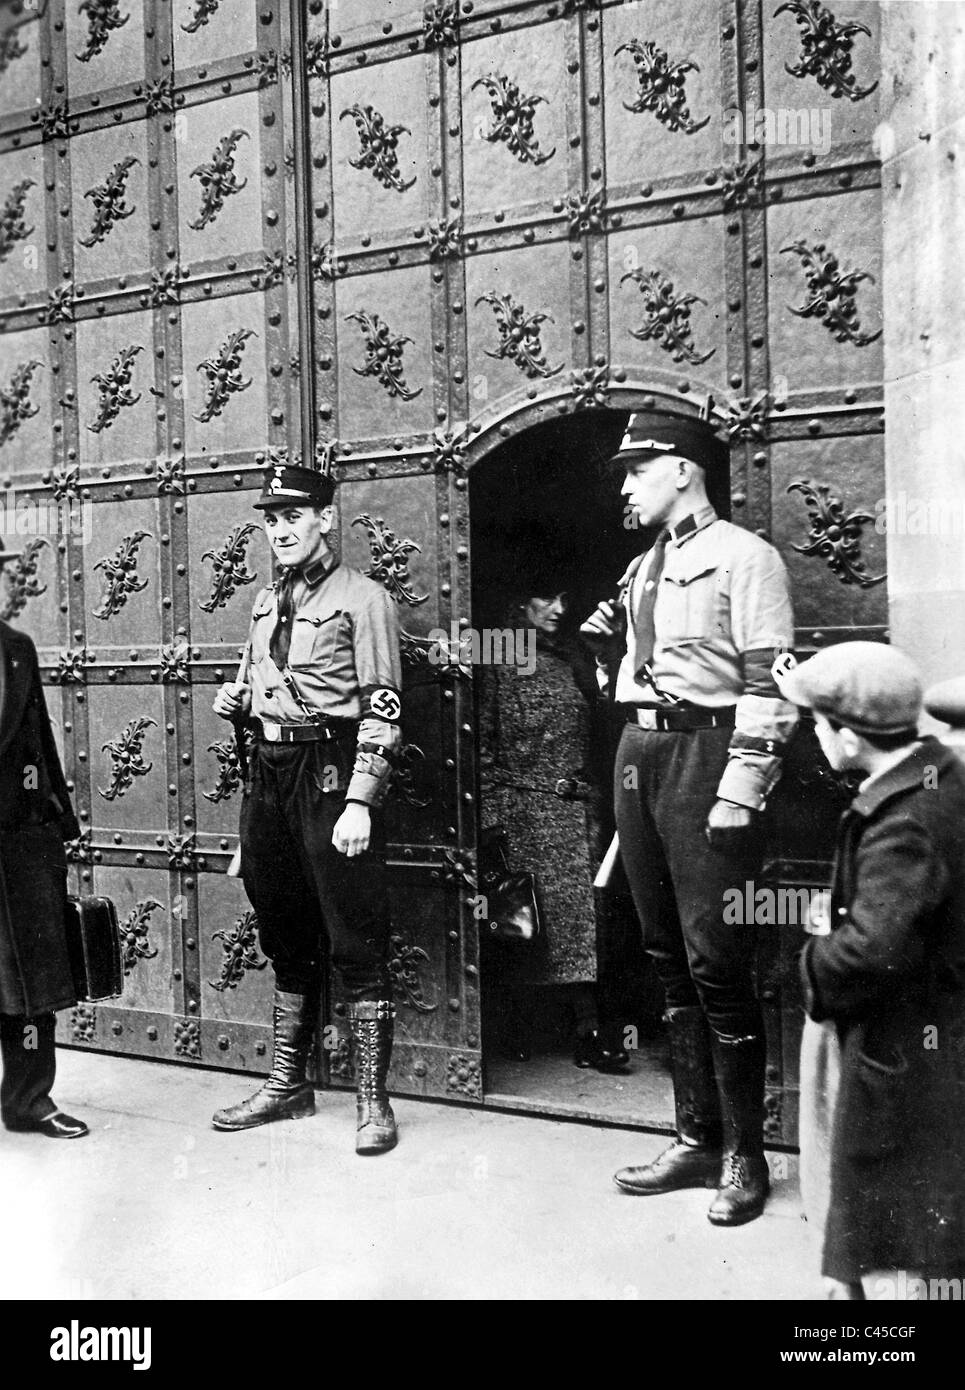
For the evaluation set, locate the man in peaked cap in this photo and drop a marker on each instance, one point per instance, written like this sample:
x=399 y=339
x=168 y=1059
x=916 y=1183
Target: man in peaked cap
x=322 y=683
x=883 y=977
x=698 y=621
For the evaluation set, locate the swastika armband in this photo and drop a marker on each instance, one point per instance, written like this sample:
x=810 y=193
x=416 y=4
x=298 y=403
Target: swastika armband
x=381 y=702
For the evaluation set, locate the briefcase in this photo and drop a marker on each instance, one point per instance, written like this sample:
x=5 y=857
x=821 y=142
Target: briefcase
x=94 y=947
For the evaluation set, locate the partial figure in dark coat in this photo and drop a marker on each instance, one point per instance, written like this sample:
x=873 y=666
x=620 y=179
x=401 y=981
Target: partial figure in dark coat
x=887 y=969
x=35 y=819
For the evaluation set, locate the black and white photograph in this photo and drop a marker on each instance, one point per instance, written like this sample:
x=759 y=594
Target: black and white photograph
x=482 y=663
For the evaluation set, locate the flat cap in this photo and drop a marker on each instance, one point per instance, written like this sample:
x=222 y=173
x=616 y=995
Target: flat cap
x=946 y=701
x=866 y=686
x=656 y=432
x=287 y=483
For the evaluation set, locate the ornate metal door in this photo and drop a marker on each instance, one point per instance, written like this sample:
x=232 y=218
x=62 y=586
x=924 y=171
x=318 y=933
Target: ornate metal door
x=421 y=229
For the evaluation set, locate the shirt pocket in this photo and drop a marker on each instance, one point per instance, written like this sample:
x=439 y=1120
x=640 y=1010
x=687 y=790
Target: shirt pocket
x=687 y=609
x=314 y=640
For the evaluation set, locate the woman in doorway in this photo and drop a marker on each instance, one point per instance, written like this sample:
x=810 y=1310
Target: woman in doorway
x=541 y=784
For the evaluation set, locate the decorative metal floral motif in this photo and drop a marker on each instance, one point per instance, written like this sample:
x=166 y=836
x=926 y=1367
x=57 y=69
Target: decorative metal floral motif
x=10 y=49
x=379 y=144
x=323 y=262
x=405 y=962
x=411 y=758
x=826 y=49
x=458 y=869
x=450 y=451
x=120 y=575
x=160 y=96
x=108 y=200
x=187 y=1038
x=83 y=1023
x=661 y=85
x=12 y=225
x=134 y=943
x=747 y=416
x=102 y=17
x=445 y=239
x=218 y=180
x=174 y=663
x=519 y=335
x=316 y=56
x=668 y=316
x=463 y=1075
x=835 y=536
x=53 y=122
x=127 y=758
x=166 y=285
x=267 y=67
x=590 y=386
x=170 y=476
x=229 y=770
x=203 y=10
x=22 y=580
x=513 y=119
x=181 y=851
x=390 y=565
x=80 y=851
x=383 y=355
x=65 y=483
x=742 y=183
x=229 y=563
x=114 y=386
x=60 y=304
x=439 y=23
x=224 y=374
x=15 y=404
x=340 y=1059
x=831 y=293
x=414 y=650
x=71 y=665
x=587 y=212
x=240 y=952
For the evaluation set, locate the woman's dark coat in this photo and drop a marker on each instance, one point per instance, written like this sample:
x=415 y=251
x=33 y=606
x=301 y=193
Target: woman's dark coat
x=35 y=819
x=891 y=975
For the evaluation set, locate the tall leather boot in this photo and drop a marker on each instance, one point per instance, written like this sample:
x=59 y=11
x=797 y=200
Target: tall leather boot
x=693 y=1159
x=371 y=1022
x=286 y=1095
x=744 y=1177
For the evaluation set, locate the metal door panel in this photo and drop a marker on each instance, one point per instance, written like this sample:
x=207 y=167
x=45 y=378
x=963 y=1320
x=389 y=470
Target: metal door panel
x=654 y=271
x=113 y=55
x=805 y=352
x=27 y=427
x=643 y=146
x=124 y=612
x=23 y=269
x=223 y=137
x=144 y=913
x=374 y=199
x=129 y=777
x=30 y=593
x=399 y=401
x=206 y=32
x=20 y=66
x=214 y=334
x=227 y=564
x=217 y=777
x=236 y=980
x=537 y=282
x=350 y=19
x=509 y=173
x=397 y=542
x=116 y=415
x=116 y=225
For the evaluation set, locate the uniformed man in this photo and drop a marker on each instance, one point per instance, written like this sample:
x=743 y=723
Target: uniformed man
x=322 y=689
x=699 y=620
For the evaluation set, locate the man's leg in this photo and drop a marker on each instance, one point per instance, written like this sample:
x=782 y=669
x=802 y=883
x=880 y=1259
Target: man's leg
x=29 y=1067
x=289 y=930
x=694 y=1159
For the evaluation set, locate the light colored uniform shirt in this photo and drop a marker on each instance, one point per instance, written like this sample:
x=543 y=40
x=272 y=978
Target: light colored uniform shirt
x=343 y=663
x=723 y=593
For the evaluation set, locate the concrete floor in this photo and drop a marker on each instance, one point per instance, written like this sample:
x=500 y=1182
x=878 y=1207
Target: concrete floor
x=472 y=1204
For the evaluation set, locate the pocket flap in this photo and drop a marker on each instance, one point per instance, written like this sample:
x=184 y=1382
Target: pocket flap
x=688 y=577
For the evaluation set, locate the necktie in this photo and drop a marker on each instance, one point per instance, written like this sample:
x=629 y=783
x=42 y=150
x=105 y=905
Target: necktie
x=281 y=638
x=643 y=620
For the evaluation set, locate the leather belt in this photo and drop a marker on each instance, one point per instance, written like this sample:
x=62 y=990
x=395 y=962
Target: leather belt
x=694 y=717
x=300 y=733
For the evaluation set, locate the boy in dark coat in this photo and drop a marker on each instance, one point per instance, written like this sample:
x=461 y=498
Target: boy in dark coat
x=888 y=969
x=35 y=820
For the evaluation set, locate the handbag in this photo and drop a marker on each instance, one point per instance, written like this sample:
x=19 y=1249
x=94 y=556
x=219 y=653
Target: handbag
x=94 y=948
x=513 y=912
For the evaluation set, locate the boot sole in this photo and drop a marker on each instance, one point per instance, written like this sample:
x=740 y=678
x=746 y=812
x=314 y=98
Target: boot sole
x=300 y=1114
x=634 y=1191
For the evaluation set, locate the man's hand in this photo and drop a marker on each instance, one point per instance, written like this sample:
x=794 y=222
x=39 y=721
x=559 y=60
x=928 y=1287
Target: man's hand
x=604 y=628
x=353 y=830
x=233 y=698
x=730 y=828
